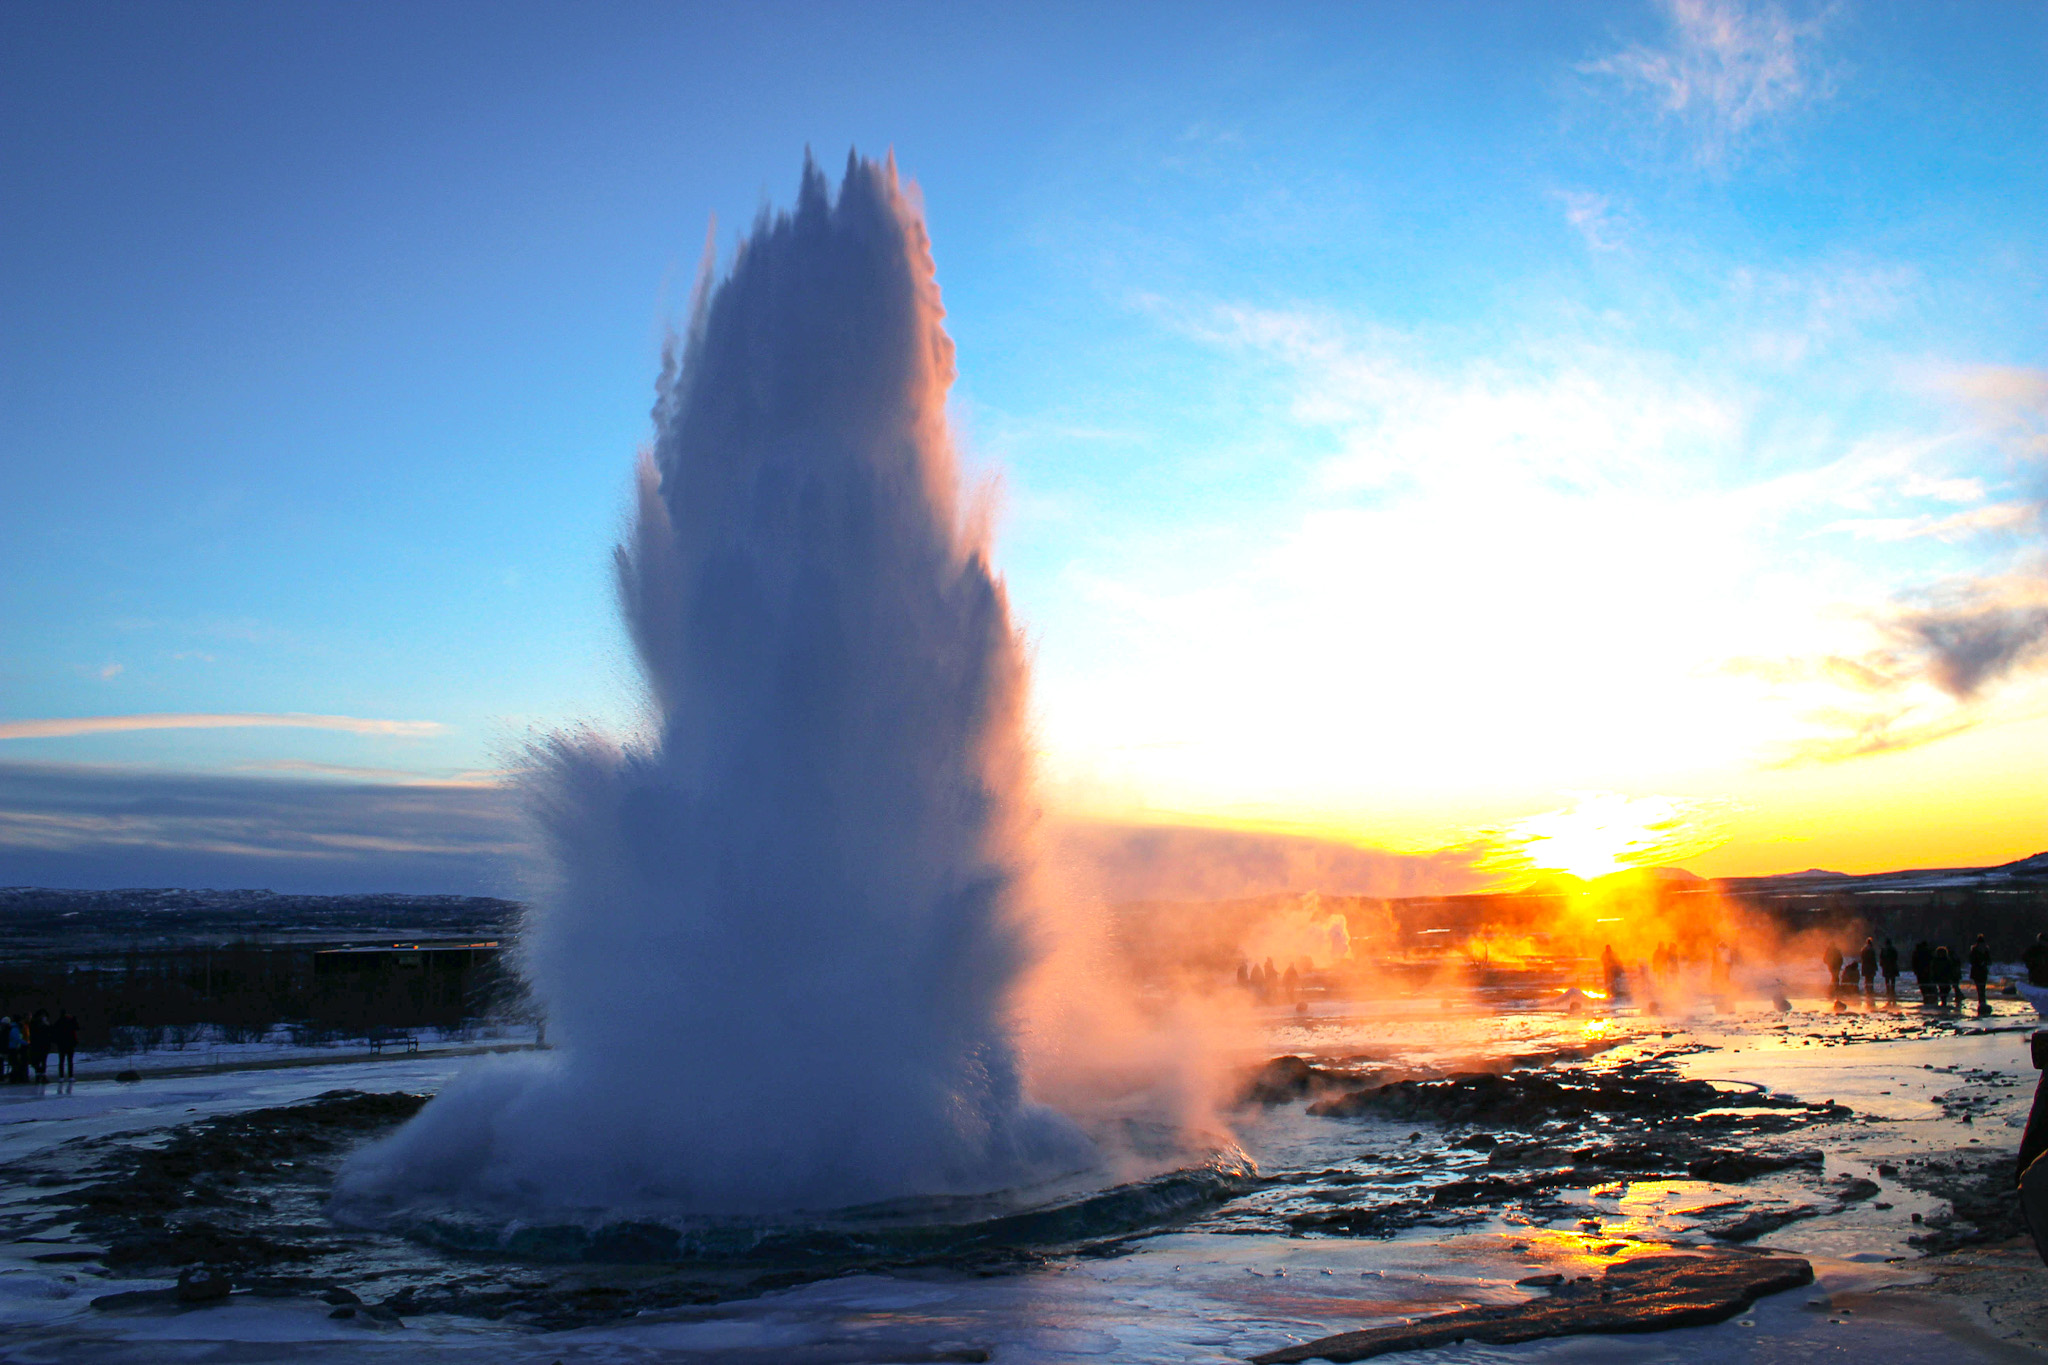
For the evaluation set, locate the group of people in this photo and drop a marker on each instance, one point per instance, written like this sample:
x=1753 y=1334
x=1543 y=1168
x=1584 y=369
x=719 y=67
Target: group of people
x=1938 y=970
x=28 y=1044
x=1266 y=984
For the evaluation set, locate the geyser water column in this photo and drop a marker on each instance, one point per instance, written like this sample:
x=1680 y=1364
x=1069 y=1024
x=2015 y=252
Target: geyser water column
x=777 y=945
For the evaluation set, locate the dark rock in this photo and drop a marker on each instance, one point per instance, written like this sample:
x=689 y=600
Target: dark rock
x=1280 y=1080
x=1761 y=1223
x=186 y=1200
x=1647 y=1294
x=1383 y=1221
x=127 y=1077
x=1854 y=1190
x=1629 y=1156
x=203 y=1284
x=1732 y=1168
x=1521 y=1099
x=1493 y=1189
x=340 y=1296
x=345 y=1311
x=1979 y=1188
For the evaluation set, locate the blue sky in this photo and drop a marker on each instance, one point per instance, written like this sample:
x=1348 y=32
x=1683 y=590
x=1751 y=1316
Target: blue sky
x=1411 y=420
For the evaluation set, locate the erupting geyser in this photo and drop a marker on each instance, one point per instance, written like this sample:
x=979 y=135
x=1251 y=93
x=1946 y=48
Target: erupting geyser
x=779 y=945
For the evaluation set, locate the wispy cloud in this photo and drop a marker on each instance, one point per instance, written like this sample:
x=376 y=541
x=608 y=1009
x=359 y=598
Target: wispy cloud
x=1942 y=657
x=1945 y=649
x=1594 y=217
x=1860 y=734
x=401 y=777
x=2012 y=402
x=1580 y=417
x=1995 y=517
x=66 y=726
x=1727 y=69
x=67 y=824
x=1553 y=548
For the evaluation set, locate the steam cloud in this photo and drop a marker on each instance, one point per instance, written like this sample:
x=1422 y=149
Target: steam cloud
x=781 y=942
x=1121 y=862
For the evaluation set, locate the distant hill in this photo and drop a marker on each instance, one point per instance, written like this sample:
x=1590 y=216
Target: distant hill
x=35 y=921
x=2025 y=872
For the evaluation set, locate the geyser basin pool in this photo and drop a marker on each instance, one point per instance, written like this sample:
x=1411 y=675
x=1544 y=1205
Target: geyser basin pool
x=778 y=943
x=952 y=1230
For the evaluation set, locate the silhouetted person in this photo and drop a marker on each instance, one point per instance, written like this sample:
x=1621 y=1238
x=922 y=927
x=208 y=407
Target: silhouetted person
x=2036 y=958
x=1888 y=963
x=64 y=1033
x=1980 y=972
x=1610 y=972
x=1943 y=966
x=1923 y=970
x=17 y=1049
x=1849 y=974
x=1290 y=982
x=1833 y=958
x=1244 y=972
x=1867 y=959
x=39 y=1043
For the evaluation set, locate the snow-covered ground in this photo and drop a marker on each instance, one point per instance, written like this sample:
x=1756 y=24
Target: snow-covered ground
x=207 y=1048
x=1219 y=1289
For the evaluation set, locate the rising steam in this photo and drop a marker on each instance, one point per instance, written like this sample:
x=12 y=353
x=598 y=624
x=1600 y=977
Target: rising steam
x=781 y=942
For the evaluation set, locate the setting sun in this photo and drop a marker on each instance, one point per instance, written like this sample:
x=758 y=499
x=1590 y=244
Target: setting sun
x=1602 y=834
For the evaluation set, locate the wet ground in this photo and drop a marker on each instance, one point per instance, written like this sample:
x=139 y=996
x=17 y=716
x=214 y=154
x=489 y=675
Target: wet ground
x=1410 y=1165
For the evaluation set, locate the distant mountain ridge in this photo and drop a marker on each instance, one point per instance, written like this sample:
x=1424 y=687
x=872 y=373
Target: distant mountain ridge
x=2022 y=871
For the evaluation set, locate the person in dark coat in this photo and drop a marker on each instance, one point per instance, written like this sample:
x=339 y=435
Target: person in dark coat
x=1923 y=970
x=1948 y=977
x=2036 y=958
x=1833 y=958
x=1867 y=959
x=14 y=1043
x=1888 y=963
x=64 y=1033
x=1980 y=972
x=39 y=1043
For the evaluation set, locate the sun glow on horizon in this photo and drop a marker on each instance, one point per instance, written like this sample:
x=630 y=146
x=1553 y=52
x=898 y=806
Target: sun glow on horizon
x=1603 y=833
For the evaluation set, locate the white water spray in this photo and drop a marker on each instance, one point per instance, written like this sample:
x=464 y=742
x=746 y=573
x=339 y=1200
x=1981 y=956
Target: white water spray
x=780 y=945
